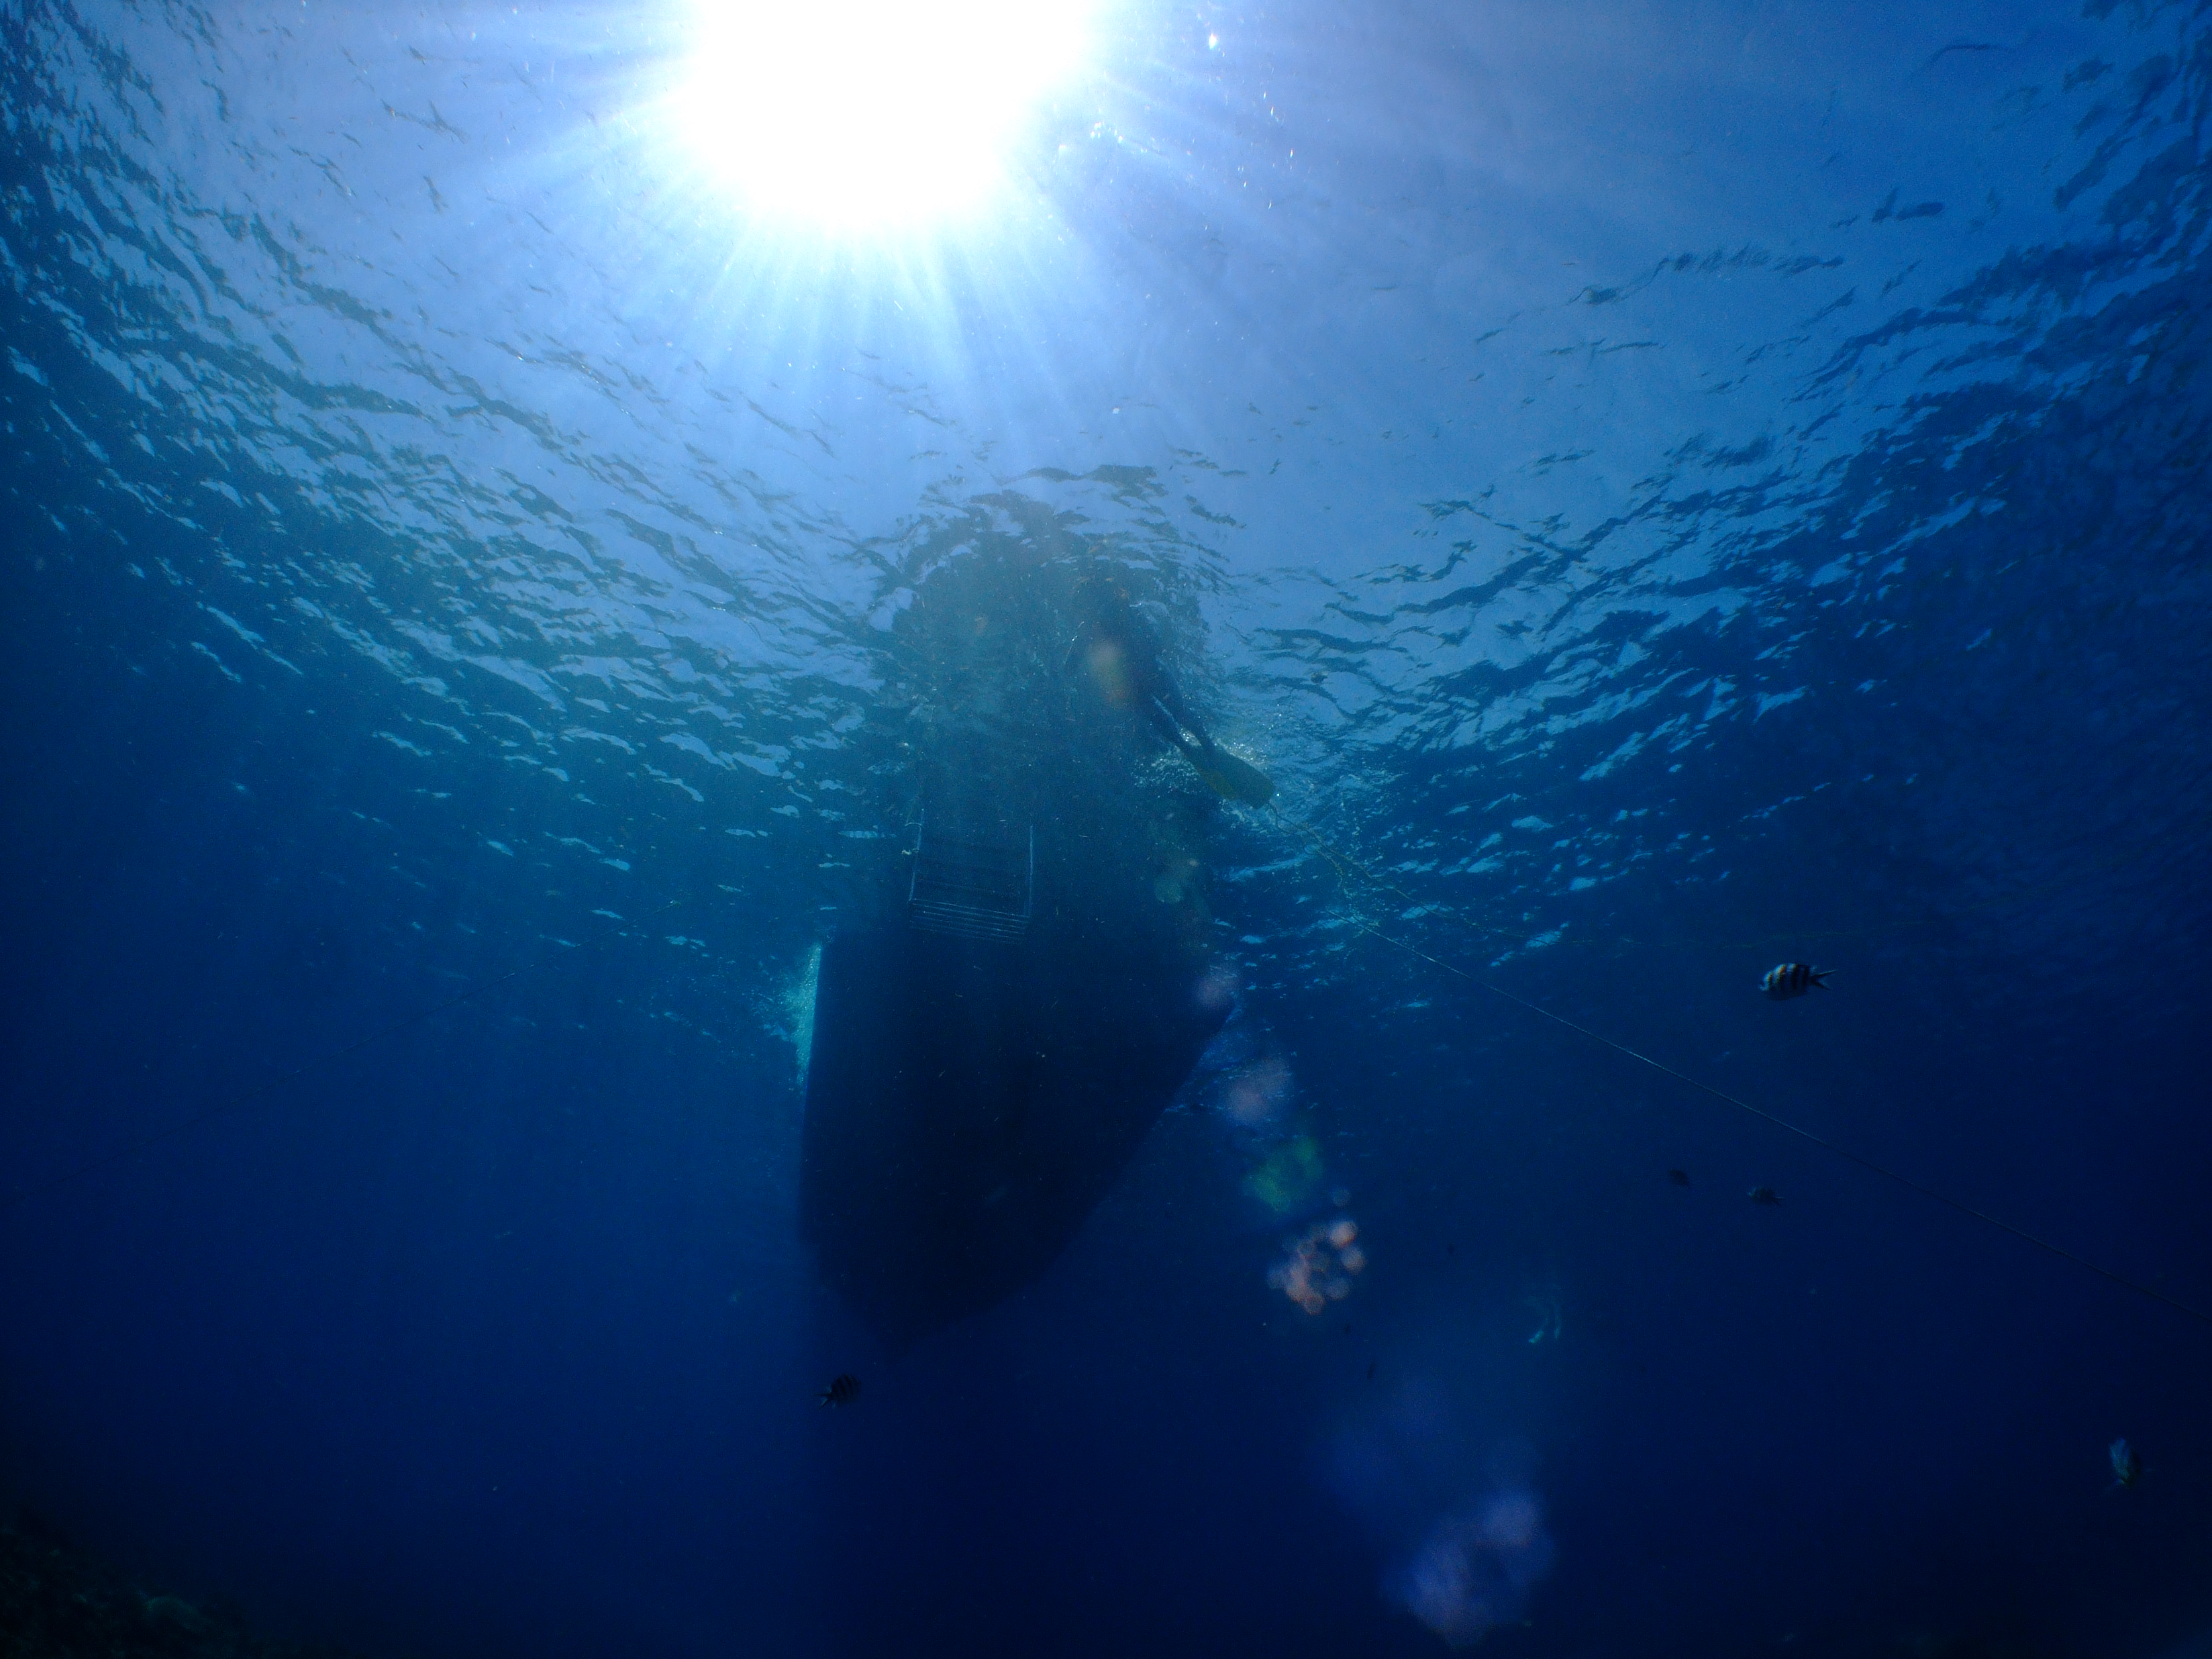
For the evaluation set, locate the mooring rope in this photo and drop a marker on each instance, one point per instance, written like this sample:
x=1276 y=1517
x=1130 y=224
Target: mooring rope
x=1342 y=862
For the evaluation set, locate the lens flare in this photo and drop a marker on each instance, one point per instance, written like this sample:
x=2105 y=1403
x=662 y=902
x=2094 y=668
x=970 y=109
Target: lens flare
x=1258 y=1093
x=1286 y=1178
x=1474 y=1571
x=1461 y=1528
x=1320 y=1266
x=1217 y=988
x=868 y=114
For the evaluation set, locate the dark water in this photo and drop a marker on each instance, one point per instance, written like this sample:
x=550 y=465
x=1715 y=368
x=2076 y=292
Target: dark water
x=1665 y=491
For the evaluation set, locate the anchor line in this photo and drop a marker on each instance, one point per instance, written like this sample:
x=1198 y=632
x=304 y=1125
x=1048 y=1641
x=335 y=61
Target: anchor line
x=1844 y=1153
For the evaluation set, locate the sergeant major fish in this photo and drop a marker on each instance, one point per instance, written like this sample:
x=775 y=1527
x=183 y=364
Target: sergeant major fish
x=843 y=1389
x=1793 y=978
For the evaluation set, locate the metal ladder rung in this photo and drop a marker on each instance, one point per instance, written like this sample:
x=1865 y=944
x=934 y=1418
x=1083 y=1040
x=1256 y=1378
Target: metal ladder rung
x=974 y=886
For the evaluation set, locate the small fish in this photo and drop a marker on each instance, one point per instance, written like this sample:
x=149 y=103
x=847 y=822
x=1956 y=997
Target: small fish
x=1763 y=1195
x=844 y=1390
x=1786 y=979
x=1680 y=1177
x=1370 y=1369
x=2127 y=1468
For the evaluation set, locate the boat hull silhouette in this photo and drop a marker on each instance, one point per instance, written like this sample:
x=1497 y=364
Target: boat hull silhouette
x=969 y=1101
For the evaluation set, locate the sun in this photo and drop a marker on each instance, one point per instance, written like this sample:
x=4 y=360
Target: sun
x=865 y=114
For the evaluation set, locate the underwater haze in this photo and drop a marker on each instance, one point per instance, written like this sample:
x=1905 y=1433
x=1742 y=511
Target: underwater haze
x=1664 y=489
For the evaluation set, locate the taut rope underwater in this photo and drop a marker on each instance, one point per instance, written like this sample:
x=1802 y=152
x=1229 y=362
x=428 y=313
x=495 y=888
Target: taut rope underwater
x=1337 y=860
x=1342 y=862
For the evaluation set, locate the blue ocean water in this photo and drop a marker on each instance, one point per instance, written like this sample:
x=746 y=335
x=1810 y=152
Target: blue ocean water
x=1663 y=490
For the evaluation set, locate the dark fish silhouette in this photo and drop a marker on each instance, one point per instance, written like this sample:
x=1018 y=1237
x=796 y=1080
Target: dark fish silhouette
x=844 y=1390
x=1370 y=1369
x=1763 y=1195
x=2127 y=1468
x=1680 y=1177
x=1793 y=978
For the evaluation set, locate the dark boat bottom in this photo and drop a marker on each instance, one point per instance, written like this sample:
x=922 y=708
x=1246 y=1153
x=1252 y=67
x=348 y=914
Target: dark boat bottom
x=969 y=1101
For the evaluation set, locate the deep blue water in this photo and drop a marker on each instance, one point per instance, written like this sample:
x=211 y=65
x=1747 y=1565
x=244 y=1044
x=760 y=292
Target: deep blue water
x=1665 y=489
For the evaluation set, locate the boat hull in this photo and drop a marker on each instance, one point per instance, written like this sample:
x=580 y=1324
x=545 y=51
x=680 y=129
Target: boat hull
x=969 y=1101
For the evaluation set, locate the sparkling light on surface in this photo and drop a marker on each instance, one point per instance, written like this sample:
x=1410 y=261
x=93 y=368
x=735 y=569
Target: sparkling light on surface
x=866 y=114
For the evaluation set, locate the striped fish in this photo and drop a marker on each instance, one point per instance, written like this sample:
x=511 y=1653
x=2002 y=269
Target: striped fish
x=844 y=1390
x=1793 y=978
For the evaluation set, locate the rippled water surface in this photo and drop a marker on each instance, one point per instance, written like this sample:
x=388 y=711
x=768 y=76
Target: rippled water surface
x=1663 y=490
